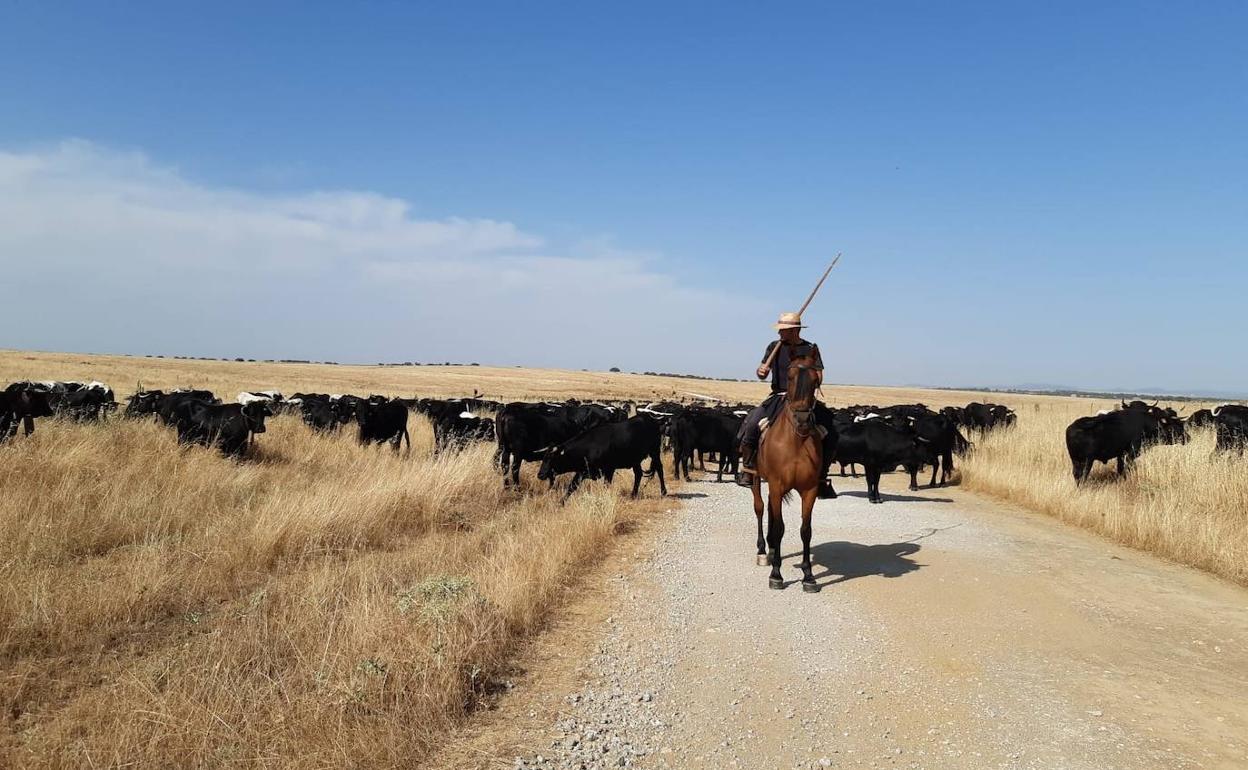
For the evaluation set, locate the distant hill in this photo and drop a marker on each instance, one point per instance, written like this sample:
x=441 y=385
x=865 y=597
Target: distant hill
x=1045 y=389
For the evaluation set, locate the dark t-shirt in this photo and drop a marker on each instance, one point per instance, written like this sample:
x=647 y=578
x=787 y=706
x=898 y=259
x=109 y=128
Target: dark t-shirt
x=780 y=367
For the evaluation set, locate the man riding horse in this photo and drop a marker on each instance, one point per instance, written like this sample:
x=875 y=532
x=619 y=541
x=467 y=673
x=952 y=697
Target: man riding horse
x=791 y=346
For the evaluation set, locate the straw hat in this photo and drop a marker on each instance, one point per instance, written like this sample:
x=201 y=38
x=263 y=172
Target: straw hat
x=789 y=321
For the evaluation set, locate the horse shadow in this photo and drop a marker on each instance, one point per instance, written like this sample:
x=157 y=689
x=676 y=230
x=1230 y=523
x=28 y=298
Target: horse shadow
x=847 y=561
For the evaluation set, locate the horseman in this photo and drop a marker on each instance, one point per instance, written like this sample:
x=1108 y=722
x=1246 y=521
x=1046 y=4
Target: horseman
x=789 y=326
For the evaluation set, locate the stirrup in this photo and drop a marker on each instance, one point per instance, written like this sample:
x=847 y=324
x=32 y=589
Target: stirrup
x=745 y=477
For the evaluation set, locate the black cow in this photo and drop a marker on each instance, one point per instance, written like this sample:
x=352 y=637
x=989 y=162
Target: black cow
x=599 y=452
x=704 y=430
x=143 y=403
x=939 y=441
x=955 y=413
x=1119 y=435
x=321 y=415
x=85 y=404
x=881 y=446
x=348 y=406
x=526 y=431
x=986 y=417
x=1201 y=418
x=19 y=404
x=380 y=420
x=457 y=431
x=1231 y=423
x=229 y=427
x=167 y=405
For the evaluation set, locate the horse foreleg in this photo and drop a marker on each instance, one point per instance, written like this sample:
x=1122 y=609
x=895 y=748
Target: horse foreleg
x=758 y=515
x=775 y=532
x=808 y=507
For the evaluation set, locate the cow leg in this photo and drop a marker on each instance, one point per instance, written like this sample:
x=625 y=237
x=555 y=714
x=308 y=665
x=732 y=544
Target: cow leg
x=853 y=471
x=636 y=479
x=873 y=483
x=28 y=425
x=1084 y=469
x=572 y=485
x=515 y=471
x=935 y=469
x=656 y=466
x=914 y=477
x=808 y=507
x=775 y=533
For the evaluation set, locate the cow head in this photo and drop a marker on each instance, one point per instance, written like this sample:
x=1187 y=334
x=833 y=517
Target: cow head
x=143 y=402
x=555 y=460
x=254 y=414
x=1173 y=428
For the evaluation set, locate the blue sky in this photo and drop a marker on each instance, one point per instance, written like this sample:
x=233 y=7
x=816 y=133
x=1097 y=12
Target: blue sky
x=1024 y=193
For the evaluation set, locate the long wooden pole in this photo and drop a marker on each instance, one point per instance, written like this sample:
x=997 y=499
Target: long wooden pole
x=776 y=348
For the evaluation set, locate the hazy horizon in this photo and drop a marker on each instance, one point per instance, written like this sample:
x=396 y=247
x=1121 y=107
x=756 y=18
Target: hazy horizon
x=1021 y=195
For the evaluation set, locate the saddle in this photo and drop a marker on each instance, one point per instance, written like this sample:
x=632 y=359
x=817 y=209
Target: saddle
x=765 y=423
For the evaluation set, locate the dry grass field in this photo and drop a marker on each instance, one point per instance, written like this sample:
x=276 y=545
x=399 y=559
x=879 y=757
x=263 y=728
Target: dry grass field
x=327 y=605
x=320 y=605
x=1184 y=503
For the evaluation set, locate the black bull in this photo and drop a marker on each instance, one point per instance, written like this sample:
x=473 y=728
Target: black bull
x=1120 y=435
x=599 y=452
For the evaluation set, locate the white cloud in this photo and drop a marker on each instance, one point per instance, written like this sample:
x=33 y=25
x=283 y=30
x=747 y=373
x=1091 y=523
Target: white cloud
x=106 y=250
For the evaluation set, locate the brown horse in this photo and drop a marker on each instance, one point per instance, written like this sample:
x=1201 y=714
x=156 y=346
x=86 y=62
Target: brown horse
x=790 y=458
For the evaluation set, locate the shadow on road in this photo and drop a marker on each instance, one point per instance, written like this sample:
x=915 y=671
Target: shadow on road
x=900 y=498
x=686 y=495
x=843 y=560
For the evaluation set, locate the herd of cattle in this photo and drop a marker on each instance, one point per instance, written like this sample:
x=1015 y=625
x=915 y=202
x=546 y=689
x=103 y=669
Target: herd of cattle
x=594 y=440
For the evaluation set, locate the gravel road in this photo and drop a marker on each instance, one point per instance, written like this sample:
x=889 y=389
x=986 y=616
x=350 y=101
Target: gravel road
x=951 y=632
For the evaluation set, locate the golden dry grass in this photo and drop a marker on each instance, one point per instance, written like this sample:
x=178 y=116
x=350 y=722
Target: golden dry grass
x=1184 y=503
x=320 y=605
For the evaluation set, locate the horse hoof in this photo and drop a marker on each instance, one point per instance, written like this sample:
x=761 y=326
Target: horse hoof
x=775 y=583
x=763 y=561
x=811 y=588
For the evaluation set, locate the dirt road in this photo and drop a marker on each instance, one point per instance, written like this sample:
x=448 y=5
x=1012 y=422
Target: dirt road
x=951 y=632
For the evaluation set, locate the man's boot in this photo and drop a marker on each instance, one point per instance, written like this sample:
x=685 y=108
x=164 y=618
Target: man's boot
x=826 y=492
x=745 y=476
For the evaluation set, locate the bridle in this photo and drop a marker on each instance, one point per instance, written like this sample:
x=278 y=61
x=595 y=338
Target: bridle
x=800 y=398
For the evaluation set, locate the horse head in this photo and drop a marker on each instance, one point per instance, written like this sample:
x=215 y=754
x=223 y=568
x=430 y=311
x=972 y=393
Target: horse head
x=803 y=381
